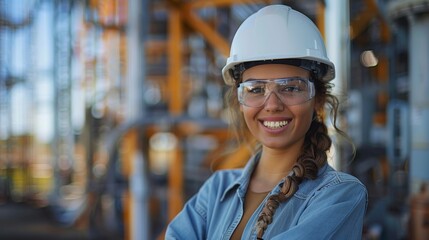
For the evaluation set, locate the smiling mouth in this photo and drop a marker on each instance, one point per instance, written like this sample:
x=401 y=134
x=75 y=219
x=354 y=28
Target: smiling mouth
x=275 y=124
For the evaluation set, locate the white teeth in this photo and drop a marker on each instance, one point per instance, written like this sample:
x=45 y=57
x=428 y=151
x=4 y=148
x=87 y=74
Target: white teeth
x=272 y=124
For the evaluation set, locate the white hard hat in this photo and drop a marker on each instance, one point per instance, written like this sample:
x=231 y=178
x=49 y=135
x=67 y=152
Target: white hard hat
x=279 y=34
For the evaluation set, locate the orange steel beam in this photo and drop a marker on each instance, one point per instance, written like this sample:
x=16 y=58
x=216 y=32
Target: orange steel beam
x=362 y=20
x=175 y=179
x=129 y=146
x=385 y=31
x=199 y=25
x=175 y=61
x=211 y=35
x=320 y=17
x=176 y=104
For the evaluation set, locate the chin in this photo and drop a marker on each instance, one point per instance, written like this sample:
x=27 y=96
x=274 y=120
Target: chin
x=275 y=145
x=282 y=144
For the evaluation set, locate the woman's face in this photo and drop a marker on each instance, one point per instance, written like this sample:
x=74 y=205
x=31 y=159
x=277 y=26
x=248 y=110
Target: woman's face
x=276 y=125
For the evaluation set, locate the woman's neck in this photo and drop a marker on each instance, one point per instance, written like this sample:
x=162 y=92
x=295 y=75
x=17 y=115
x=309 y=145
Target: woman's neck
x=272 y=167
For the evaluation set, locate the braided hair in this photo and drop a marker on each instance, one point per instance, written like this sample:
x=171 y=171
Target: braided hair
x=317 y=142
x=314 y=150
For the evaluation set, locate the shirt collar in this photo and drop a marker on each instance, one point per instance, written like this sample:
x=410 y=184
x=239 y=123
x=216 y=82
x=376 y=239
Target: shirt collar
x=243 y=180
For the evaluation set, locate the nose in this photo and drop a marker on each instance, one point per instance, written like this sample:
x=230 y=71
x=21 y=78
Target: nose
x=273 y=103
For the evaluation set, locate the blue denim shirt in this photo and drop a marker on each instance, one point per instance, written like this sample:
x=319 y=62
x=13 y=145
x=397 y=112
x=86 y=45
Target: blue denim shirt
x=330 y=207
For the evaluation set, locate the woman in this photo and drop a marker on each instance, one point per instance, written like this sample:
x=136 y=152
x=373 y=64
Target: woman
x=279 y=76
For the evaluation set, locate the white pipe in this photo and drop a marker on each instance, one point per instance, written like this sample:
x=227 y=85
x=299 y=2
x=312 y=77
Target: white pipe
x=135 y=53
x=338 y=48
x=419 y=99
x=140 y=223
x=139 y=209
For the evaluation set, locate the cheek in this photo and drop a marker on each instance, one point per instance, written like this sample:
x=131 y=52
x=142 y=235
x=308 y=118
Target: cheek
x=305 y=115
x=248 y=115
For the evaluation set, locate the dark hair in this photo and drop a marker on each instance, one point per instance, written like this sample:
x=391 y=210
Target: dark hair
x=314 y=150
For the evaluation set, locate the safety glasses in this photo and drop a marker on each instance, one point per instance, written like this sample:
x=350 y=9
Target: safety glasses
x=291 y=91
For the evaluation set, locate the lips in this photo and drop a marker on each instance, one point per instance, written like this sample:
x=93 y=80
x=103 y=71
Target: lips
x=275 y=124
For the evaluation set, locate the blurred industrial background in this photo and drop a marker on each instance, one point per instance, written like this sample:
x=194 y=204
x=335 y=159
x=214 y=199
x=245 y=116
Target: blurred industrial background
x=112 y=112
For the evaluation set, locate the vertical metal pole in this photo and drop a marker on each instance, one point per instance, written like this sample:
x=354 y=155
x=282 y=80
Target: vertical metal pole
x=338 y=47
x=140 y=191
x=135 y=51
x=4 y=123
x=5 y=120
x=419 y=99
x=63 y=142
x=136 y=30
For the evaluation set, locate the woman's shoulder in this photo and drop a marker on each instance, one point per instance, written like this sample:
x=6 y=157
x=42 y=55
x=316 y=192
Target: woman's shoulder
x=330 y=179
x=330 y=176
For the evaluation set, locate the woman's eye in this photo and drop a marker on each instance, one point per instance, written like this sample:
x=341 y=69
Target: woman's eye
x=255 y=90
x=290 y=88
x=294 y=86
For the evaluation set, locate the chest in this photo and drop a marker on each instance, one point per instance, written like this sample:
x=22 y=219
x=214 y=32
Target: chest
x=229 y=213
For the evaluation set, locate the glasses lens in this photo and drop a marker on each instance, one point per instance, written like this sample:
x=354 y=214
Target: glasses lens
x=291 y=91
